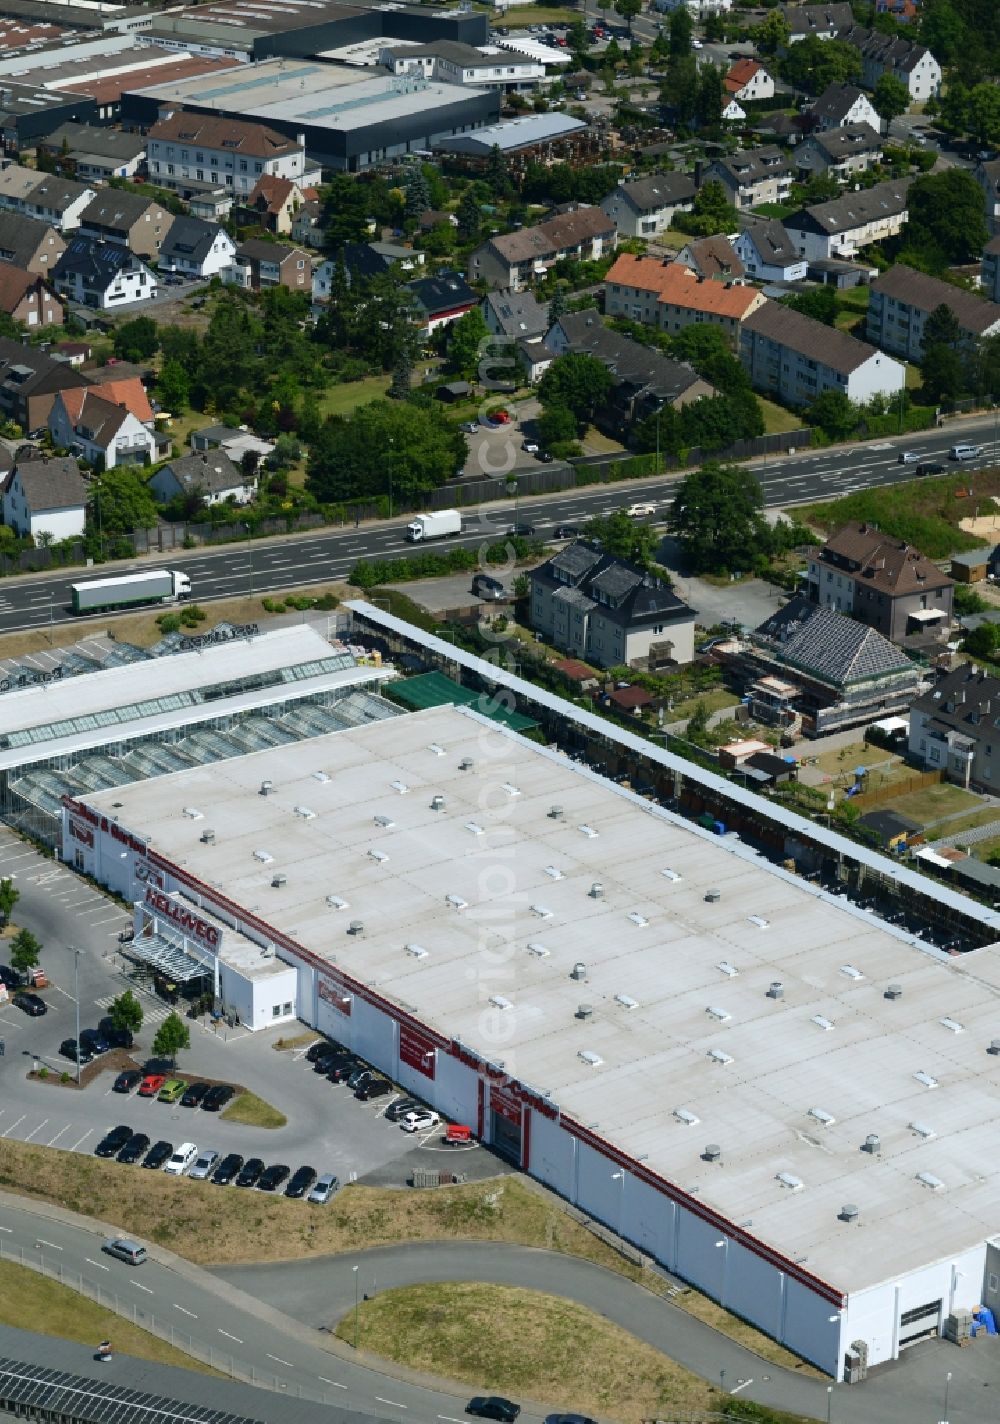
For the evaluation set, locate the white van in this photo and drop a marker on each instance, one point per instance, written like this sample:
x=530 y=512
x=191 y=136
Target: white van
x=965 y=452
x=181 y=1160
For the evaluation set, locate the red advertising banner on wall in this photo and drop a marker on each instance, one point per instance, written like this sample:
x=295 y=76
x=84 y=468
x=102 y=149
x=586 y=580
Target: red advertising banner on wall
x=417 y=1051
x=506 y=1102
x=334 y=996
x=81 y=832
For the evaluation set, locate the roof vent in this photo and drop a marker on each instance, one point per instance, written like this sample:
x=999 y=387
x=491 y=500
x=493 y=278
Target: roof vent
x=587 y=831
x=455 y=902
x=793 y=1183
x=555 y=813
x=670 y=875
x=626 y=1001
x=597 y=891
x=952 y=1025
x=379 y=856
x=336 y=902
x=851 y=972
x=712 y=1152
x=433 y=747
x=207 y=838
x=437 y=803
x=872 y=1144
x=759 y=921
x=193 y=814
x=776 y=990
x=356 y=927
x=928 y=1179
x=926 y=1079
x=821 y=1116
x=278 y=880
x=849 y=1212
x=553 y=872
x=266 y=787
x=466 y=764
x=510 y=788
x=824 y=1023
x=474 y=827
x=321 y=776
x=499 y=1002
x=922 y=1130
x=579 y=970
x=713 y=896
x=308 y=815
x=994 y=1047
x=584 y=1011
x=728 y=969
x=894 y=991
x=399 y=786
x=541 y=911
x=592 y=1060
x=687 y=1117
x=636 y=919
x=721 y=1014
x=264 y=856
x=718 y=1055
x=538 y=950
x=417 y=950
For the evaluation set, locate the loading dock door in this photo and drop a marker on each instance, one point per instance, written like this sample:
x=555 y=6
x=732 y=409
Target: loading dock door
x=505 y=1124
x=921 y=1323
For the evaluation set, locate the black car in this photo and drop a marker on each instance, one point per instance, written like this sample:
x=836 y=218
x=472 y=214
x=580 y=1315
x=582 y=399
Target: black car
x=249 y=1173
x=135 y=1147
x=227 y=1169
x=373 y=1088
x=195 y=1095
x=115 y=1037
x=321 y=1049
x=301 y=1181
x=493 y=1406
x=322 y=1062
x=112 y=1144
x=396 y=1111
x=565 y=531
x=568 y=1419
x=95 y=1041
x=544 y=456
x=31 y=1004
x=272 y=1179
x=342 y=1068
x=158 y=1155
x=126 y=1081
x=68 y=1050
x=522 y=531
x=9 y=977
x=360 y=1075
x=930 y=467
x=217 y=1097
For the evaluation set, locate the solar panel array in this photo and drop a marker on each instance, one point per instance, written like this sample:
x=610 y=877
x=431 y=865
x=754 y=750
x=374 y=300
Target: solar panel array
x=92 y=1402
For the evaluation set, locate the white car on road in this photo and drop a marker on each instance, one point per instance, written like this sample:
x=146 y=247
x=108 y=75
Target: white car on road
x=420 y=1121
x=640 y=511
x=181 y=1160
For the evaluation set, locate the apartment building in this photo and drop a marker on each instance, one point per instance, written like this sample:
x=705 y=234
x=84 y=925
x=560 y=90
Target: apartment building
x=843 y=226
x=671 y=296
x=901 y=299
x=881 y=581
x=911 y=63
x=840 y=152
x=189 y=153
x=796 y=358
x=514 y=260
x=757 y=175
x=841 y=104
x=645 y=207
x=128 y=220
x=953 y=728
x=258 y=264
x=767 y=252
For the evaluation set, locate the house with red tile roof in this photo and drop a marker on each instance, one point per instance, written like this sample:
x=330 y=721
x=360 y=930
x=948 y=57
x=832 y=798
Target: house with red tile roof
x=107 y=425
x=25 y=297
x=272 y=204
x=671 y=296
x=748 y=79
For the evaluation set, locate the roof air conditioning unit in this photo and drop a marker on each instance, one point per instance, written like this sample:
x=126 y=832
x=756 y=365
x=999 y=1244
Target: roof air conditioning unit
x=776 y=991
x=894 y=991
x=556 y=813
x=871 y=1144
x=849 y=1212
x=437 y=803
x=584 y=1011
x=278 y=880
x=713 y=896
x=207 y=838
x=597 y=891
x=994 y=1047
x=712 y=1152
x=266 y=787
x=356 y=927
x=579 y=970
x=466 y=764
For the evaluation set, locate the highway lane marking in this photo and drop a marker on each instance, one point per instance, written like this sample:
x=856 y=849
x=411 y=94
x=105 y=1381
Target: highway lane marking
x=50 y=1244
x=99 y=1264
x=36 y=1129
x=339 y=1386
x=10 y=1129
x=450 y=1419
x=185 y=1312
x=7 y=1230
x=228 y=1336
x=742 y=1385
x=394 y=1402
x=287 y=1363
x=139 y=1286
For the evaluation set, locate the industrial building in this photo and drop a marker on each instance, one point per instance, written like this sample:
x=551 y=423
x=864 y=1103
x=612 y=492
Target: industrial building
x=769 y=1089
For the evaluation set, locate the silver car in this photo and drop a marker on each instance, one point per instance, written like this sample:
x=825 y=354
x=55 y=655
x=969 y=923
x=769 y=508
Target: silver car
x=323 y=1190
x=204 y=1164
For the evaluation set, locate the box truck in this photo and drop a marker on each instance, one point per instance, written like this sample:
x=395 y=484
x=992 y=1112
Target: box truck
x=128 y=590
x=446 y=523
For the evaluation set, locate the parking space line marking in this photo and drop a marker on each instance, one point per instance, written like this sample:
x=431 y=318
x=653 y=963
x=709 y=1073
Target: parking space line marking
x=280 y=1361
x=185 y=1312
x=450 y=1419
x=99 y=1264
x=53 y=1140
x=139 y=1286
x=89 y=1133
x=36 y=1129
x=7 y=1230
x=394 y=1402
x=40 y=1241
x=228 y=1336
x=107 y=921
x=10 y=1129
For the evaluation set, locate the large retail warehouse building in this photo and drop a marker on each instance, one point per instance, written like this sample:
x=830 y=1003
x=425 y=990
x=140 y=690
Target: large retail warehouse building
x=762 y=1086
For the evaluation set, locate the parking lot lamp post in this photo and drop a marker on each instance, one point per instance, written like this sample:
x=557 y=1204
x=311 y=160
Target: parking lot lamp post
x=947 y=1385
x=355 y=1270
x=512 y=487
x=76 y=996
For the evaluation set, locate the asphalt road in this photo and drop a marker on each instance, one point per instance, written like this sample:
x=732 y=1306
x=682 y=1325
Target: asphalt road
x=301 y=561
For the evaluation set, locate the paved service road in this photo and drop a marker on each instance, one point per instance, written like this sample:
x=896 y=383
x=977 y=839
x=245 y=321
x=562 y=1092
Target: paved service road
x=321 y=558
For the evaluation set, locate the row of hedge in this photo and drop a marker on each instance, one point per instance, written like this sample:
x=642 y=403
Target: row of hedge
x=369 y=573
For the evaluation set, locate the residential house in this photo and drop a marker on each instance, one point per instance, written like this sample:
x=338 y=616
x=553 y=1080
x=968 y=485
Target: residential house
x=767 y=252
x=881 y=581
x=189 y=153
x=671 y=296
x=645 y=207
x=953 y=729
x=843 y=226
x=797 y=358
x=987 y=176
x=843 y=674
x=94 y=154
x=608 y=612
x=102 y=275
x=29 y=382
x=902 y=11
x=45 y=498
x=747 y=79
x=842 y=104
x=440 y=300
x=839 y=152
x=363 y=261
x=893 y=831
x=732 y=111
x=127 y=220
x=234 y=442
x=519 y=316
x=911 y=63
x=196 y=248
x=901 y=299
x=57 y=202
x=754 y=176
x=307 y=224
x=513 y=260
x=712 y=257
x=823 y=20
x=108 y=425
x=271 y=204
x=211 y=474
x=25 y=297
x=259 y=264
x=643 y=379
x=989 y=281
x=33 y=246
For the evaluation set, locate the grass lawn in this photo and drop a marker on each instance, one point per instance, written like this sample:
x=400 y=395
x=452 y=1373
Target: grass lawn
x=533 y=15
x=936 y=801
x=714 y=699
x=775 y=210
x=594 y=443
x=33 y=1302
x=345 y=398
x=961 y=824
x=297 y=1040
x=254 y=1112
x=913 y=376
x=926 y=513
x=777 y=420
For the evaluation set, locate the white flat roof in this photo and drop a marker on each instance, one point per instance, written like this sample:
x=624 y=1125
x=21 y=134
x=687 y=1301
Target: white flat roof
x=677 y=982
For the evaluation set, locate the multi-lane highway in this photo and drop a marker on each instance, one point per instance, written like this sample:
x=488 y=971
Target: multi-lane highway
x=302 y=561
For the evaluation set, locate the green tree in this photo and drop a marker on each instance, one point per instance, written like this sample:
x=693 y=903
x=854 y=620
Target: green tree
x=984 y=113
x=711 y=212
x=708 y=107
x=174 y=387
x=496 y=175
x=579 y=382
x=624 y=537
x=941 y=327
x=942 y=30
x=469 y=215
x=984 y=641
x=557 y=428
x=717 y=516
x=126 y=1012
x=136 y=340
x=24 y=951
x=466 y=340
x=402 y=377
x=954 y=107
x=353 y=456
x=941 y=372
x=119 y=502
x=172 y=1035
x=679 y=91
x=813 y=64
x=834 y=413
x=628 y=9
x=891 y=97
x=680 y=28
x=416 y=190
x=946 y=222
x=557 y=306
x=9 y=896
x=820 y=303
x=820 y=188
x=771 y=35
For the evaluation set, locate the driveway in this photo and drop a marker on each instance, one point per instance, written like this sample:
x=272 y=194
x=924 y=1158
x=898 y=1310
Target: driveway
x=750 y=600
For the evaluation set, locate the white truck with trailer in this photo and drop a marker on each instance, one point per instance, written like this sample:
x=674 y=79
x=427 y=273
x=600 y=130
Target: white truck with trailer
x=444 y=524
x=130 y=590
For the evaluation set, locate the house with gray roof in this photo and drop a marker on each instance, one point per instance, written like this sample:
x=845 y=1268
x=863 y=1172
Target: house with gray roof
x=517 y=315
x=906 y=60
x=645 y=207
x=767 y=252
x=843 y=226
x=609 y=612
x=755 y=175
x=797 y=358
x=954 y=729
x=31 y=245
x=45 y=498
x=839 y=152
x=210 y=474
x=841 y=104
x=89 y=152
x=823 y=20
x=196 y=248
x=901 y=300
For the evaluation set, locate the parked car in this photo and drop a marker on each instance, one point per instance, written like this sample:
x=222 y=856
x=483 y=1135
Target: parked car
x=158 y=1154
x=272 y=1177
x=500 y=417
x=217 y=1097
x=469 y=426
x=226 y=1171
x=489 y=589
x=361 y=1073
x=397 y=1110
x=112 y=1142
x=137 y=1146
x=420 y=1121
x=124 y=1250
x=95 y=1041
x=116 y=1037
x=531 y=447
x=568 y=1419
x=203 y=1164
x=322 y=1062
x=31 y=1005
x=126 y=1081
x=151 y=1085
x=342 y=1068
x=320 y=1049
x=323 y=1190
x=68 y=1049
x=172 y=1090
x=9 y=977
x=522 y=531
x=249 y=1173
x=908 y=457
x=545 y=456
x=373 y=1088
x=181 y=1159
x=195 y=1095
x=301 y=1181
x=930 y=467
x=493 y=1406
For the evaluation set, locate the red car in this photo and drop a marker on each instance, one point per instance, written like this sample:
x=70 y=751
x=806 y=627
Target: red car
x=500 y=417
x=151 y=1084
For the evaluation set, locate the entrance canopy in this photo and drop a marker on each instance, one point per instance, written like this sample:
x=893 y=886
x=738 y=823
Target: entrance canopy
x=168 y=958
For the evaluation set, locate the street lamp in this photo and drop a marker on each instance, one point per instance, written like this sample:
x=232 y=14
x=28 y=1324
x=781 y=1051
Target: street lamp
x=512 y=489
x=355 y=1270
x=76 y=995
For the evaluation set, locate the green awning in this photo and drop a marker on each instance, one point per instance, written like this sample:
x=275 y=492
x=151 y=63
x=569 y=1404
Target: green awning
x=434 y=689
